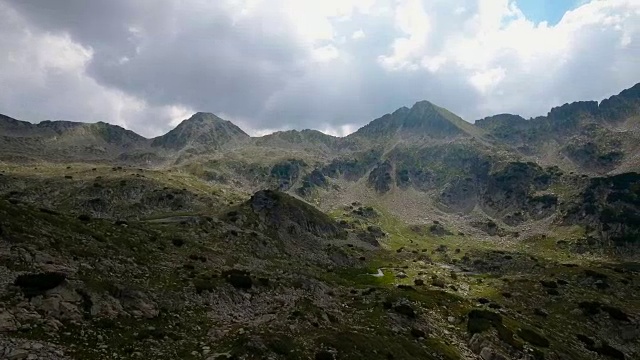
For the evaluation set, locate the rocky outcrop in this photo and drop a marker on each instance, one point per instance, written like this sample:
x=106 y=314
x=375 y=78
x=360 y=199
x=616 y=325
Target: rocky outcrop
x=609 y=208
x=567 y=117
x=513 y=193
x=285 y=173
x=312 y=181
x=484 y=347
x=596 y=149
x=512 y=189
x=283 y=211
x=460 y=195
x=421 y=179
x=353 y=167
x=380 y=178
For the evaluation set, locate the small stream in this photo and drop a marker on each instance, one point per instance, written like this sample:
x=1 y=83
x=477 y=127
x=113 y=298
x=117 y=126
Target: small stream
x=378 y=274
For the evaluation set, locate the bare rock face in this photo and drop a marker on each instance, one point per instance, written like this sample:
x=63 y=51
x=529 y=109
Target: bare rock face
x=610 y=205
x=460 y=195
x=313 y=180
x=285 y=173
x=381 y=177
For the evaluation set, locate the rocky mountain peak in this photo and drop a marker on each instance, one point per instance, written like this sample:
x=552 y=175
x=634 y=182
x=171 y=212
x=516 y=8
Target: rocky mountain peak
x=202 y=130
x=422 y=120
x=423 y=104
x=203 y=117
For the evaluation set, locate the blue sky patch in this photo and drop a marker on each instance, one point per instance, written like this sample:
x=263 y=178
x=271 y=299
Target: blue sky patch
x=550 y=11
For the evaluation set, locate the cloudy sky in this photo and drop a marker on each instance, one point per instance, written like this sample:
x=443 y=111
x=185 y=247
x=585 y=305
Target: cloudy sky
x=331 y=65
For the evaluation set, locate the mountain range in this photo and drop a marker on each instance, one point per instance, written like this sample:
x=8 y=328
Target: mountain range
x=583 y=136
x=419 y=236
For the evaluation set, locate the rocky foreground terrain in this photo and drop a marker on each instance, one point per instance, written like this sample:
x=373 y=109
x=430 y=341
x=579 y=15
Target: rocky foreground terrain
x=420 y=236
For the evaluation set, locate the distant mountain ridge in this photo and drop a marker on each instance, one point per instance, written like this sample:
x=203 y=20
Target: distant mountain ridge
x=586 y=134
x=613 y=109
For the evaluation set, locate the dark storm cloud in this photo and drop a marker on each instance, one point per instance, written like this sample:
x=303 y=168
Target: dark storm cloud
x=166 y=53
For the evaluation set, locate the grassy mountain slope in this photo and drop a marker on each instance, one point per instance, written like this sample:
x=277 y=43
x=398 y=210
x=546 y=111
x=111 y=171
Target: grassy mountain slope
x=235 y=275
